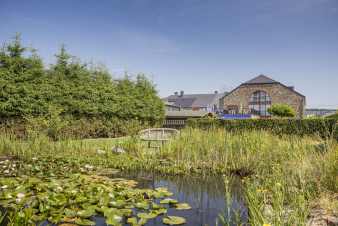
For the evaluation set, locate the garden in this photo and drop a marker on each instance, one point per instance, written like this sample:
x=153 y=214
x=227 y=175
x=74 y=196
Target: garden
x=70 y=154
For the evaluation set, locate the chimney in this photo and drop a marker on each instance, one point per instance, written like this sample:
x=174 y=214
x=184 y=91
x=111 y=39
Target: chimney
x=181 y=93
x=176 y=93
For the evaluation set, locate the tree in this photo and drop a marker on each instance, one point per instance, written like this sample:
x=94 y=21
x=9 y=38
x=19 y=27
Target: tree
x=282 y=110
x=82 y=91
x=21 y=76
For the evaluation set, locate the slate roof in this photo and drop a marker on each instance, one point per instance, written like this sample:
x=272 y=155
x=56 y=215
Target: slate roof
x=185 y=114
x=194 y=100
x=184 y=102
x=260 y=79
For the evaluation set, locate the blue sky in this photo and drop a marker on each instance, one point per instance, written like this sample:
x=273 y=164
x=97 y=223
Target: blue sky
x=193 y=45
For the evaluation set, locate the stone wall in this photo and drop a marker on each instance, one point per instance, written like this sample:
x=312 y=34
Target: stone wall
x=279 y=95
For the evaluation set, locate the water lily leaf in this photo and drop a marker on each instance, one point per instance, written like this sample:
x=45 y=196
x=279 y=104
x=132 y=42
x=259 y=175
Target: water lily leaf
x=126 y=212
x=118 y=203
x=142 y=221
x=173 y=220
x=168 y=201
x=142 y=205
x=86 y=213
x=155 y=206
x=113 y=216
x=183 y=206
x=104 y=200
x=114 y=220
x=68 y=220
x=162 y=192
x=43 y=207
x=38 y=217
x=80 y=199
x=150 y=215
x=132 y=221
x=84 y=222
x=54 y=219
x=160 y=211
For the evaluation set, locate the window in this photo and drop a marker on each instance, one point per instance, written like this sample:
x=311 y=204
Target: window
x=259 y=103
x=232 y=109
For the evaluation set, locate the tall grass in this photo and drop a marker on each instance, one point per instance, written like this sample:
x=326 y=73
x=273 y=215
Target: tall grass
x=283 y=176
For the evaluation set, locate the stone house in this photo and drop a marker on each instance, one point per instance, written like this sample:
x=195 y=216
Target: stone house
x=258 y=94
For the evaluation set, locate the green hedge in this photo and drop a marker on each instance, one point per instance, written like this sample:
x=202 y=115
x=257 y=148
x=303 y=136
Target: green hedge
x=317 y=127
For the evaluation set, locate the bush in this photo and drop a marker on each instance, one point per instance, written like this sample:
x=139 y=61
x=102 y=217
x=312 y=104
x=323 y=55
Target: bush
x=316 y=127
x=282 y=110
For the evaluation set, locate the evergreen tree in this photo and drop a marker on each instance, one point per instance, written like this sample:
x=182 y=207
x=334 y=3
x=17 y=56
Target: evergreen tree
x=75 y=89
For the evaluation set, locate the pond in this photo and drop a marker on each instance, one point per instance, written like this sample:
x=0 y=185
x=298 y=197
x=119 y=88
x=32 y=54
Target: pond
x=56 y=194
x=206 y=195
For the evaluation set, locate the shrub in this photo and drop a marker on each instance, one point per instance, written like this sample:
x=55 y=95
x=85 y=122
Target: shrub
x=282 y=110
x=317 y=127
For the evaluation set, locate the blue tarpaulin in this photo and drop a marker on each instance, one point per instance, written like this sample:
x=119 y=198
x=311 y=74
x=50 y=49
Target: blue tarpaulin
x=235 y=116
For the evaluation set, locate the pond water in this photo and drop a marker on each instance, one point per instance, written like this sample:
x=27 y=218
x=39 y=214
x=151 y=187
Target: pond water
x=206 y=196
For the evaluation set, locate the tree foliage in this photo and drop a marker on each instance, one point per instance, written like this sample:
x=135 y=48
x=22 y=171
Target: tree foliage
x=282 y=110
x=28 y=89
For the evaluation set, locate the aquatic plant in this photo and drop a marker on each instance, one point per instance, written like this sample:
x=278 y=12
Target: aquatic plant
x=58 y=193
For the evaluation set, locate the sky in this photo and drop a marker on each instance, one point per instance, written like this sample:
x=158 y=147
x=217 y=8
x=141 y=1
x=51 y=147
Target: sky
x=197 y=46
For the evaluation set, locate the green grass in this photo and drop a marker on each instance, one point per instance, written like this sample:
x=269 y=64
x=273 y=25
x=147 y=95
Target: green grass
x=283 y=176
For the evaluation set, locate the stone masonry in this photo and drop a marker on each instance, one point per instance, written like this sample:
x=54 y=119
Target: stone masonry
x=279 y=94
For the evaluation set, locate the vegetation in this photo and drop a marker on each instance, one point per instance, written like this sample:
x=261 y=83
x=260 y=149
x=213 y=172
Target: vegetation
x=77 y=96
x=283 y=176
x=285 y=165
x=324 y=128
x=282 y=110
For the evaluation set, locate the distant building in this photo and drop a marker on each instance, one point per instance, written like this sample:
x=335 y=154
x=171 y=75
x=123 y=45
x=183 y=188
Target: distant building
x=258 y=94
x=171 y=107
x=177 y=119
x=193 y=102
x=319 y=112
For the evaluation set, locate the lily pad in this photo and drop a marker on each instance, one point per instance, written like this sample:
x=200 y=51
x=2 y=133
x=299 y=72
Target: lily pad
x=84 y=222
x=142 y=205
x=183 y=206
x=168 y=201
x=173 y=220
x=86 y=213
x=150 y=215
x=162 y=192
x=133 y=221
x=114 y=220
x=160 y=211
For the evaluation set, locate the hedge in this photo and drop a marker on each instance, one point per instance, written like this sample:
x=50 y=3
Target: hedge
x=301 y=127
